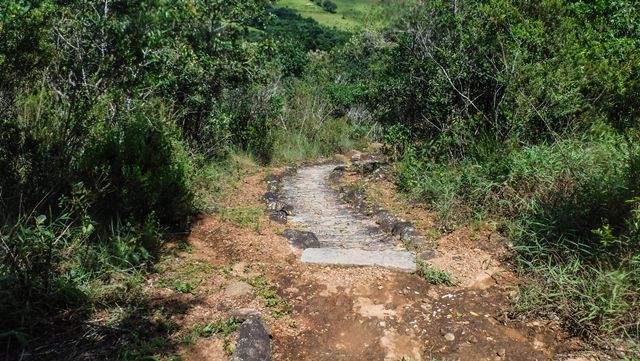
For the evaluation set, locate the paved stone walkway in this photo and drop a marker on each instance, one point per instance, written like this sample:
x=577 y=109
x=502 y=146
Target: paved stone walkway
x=346 y=237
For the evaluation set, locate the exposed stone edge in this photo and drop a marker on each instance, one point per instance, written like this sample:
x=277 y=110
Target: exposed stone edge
x=277 y=208
x=387 y=221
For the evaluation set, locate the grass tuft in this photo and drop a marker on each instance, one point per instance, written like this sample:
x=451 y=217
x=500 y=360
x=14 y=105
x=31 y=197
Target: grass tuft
x=434 y=275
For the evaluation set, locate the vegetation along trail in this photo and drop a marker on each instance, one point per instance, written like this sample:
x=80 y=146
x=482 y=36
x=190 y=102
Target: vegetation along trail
x=292 y=180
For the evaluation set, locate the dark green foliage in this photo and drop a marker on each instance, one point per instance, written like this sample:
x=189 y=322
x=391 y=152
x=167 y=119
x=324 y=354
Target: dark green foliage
x=295 y=36
x=101 y=111
x=523 y=112
x=329 y=6
x=305 y=31
x=139 y=166
x=506 y=70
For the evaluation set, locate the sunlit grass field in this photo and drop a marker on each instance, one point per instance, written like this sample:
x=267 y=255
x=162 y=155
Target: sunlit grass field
x=351 y=14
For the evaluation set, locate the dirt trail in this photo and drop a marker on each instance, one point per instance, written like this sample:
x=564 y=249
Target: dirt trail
x=324 y=312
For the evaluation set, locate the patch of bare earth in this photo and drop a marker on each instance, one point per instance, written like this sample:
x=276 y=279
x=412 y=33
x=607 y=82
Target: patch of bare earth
x=359 y=313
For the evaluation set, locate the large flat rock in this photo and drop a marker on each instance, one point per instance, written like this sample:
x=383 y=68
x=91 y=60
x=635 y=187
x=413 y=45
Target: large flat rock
x=402 y=260
x=254 y=343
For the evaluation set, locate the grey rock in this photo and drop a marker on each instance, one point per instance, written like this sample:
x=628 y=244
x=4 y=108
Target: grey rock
x=301 y=239
x=290 y=171
x=270 y=197
x=407 y=233
x=402 y=228
x=337 y=173
x=254 y=343
x=275 y=206
x=274 y=183
x=288 y=209
x=427 y=255
x=385 y=220
x=367 y=166
x=356 y=197
x=280 y=217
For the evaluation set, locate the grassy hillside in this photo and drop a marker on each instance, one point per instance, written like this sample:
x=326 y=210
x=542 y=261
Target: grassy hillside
x=349 y=16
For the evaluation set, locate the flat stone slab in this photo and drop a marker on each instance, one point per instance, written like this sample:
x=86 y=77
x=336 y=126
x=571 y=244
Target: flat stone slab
x=402 y=260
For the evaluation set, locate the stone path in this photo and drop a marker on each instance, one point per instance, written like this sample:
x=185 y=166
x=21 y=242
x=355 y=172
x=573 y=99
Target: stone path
x=345 y=236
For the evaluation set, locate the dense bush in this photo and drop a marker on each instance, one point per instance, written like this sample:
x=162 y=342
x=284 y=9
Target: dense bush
x=116 y=123
x=509 y=71
x=295 y=36
x=522 y=112
x=103 y=111
x=312 y=125
x=329 y=6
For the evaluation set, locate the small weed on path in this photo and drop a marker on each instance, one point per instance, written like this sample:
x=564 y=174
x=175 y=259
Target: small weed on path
x=278 y=305
x=224 y=328
x=245 y=217
x=433 y=275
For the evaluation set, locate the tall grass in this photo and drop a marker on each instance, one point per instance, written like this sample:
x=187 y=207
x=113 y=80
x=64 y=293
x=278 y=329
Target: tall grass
x=312 y=125
x=573 y=214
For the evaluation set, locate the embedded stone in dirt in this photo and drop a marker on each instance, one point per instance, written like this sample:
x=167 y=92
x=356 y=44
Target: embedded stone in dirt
x=367 y=166
x=482 y=280
x=356 y=197
x=401 y=260
x=254 y=343
x=244 y=314
x=278 y=206
x=427 y=255
x=354 y=155
x=301 y=239
x=337 y=173
x=385 y=220
x=407 y=233
x=280 y=217
x=367 y=308
x=238 y=289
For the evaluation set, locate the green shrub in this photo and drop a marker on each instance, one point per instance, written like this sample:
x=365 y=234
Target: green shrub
x=329 y=6
x=115 y=101
x=572 y=217
x=312 y=125
x=433 y=275
x=37 y=256
x=139 y=165
x=500 y=70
